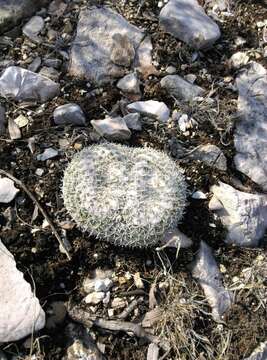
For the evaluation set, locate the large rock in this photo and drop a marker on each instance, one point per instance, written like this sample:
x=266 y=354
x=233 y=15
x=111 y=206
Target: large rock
x=251 y=131
x=180 y=88
x=19 y=84
x=106 y=45
x=187 y=21
x=12 y=11
x=206 y=272
x=244 y=215
x=20 y=310
x=69 y=114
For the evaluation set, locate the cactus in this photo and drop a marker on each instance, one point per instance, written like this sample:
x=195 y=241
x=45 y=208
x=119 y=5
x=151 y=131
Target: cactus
x=127 y=196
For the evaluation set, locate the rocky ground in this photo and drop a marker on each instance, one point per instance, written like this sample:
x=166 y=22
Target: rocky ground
x=93 y=68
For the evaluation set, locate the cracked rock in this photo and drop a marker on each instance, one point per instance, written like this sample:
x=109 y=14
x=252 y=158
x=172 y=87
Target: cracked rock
x=181 y=88
x=187 y=21
x=19 y=84
x=250 y=136
x=152 y=108
x=20 y=310
x=206 y=272
x=112 y=128
x=69 y=114
x=244 y=215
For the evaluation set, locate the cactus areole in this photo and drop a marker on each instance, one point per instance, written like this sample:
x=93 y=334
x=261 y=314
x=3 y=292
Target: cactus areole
x=127 y=196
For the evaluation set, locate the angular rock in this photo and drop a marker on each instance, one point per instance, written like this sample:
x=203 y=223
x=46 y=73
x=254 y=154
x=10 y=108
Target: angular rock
x=129 y=84
x=20 y=310
x=94 y=298
x=94 y=50
x=238 y=59
x=12 y=11
x=206 y=272
x=112 y=128
x=69 y=114
x=35 y=65
x=33 y=27
x=21 y=121
x=211 y=155
x=13 y=129
x=199 y=195
x=152 y=108
x=180 y=88
x=2 y=120
x=260 y=353
x=8 y=191
x=50 y=73
x=244 y=215
x=54 y=63
x=187 y=21
x=47 y=154
x=23 y=85
x=250 y=136
x=103 y=285
x=133 y=121
x=143 y=58
x=177 y=239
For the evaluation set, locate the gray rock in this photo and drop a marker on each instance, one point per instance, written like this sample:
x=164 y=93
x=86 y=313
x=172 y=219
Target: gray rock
x=133 y=121
x=33 y=27
x=23 y=85
x=199 y=195
x=244 y=215
x=180 y=88
x=260 y=353
x=20 y=310
x=152 y=108
x=211 y=155
x=129 y=84
x=103 y=284
x=176 y=239
x=55 y=63
x=69 y=114
x=8 y=191
x=152 y=352
x=238 y=60
x=170 y=70
x=12 y=11
x=2 y=120
x=112 y=128
x=187 y=21
x=250 y=136
x=206 y=272
x=97 y=49
x=35 y=65
x=2 y=356
x=49 y=153
x=50 y=73
x=13 y=129
x=143 y=58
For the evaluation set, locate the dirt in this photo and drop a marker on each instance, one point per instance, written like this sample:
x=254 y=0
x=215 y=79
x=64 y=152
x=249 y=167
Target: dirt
x=37 y=253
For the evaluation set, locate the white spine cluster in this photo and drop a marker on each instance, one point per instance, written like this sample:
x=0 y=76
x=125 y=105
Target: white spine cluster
x=127 y=196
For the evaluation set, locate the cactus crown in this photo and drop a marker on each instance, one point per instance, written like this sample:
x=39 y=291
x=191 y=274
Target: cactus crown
x=127 y=196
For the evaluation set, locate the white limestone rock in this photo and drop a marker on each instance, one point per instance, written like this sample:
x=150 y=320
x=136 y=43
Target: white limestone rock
x=206 y=272
x=129 y=84
x=20 y=310
x=181 y=88
x=250 y=136
x=244 y=215
x=238 y=60
x=112 y=128
x=152 y=108
x=187 y=21
x=8 y=191
x=19 y=84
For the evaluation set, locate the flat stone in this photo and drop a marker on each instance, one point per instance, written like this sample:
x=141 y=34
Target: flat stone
x=2 y=120
x=19 y=84
x=12 y=11
x=8 y=191
x=20 y=310
x=250 y=136
x=50 y=73
x=51 y=62
x=187 y=21
x=210 y=155
x=244 y=215
x=112 y=128
x=180 y=88
x=33 y=27
x=133 y=121
x=129 y=84
x=260 y=353
x=49 y=153
x=99 y=52
x=206 y=272
x=177 y=239
x=35 y=65
x=152 y=108
x=69 y=114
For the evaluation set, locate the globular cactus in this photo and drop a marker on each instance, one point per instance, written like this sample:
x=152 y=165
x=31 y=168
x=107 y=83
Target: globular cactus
x=127 y=196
